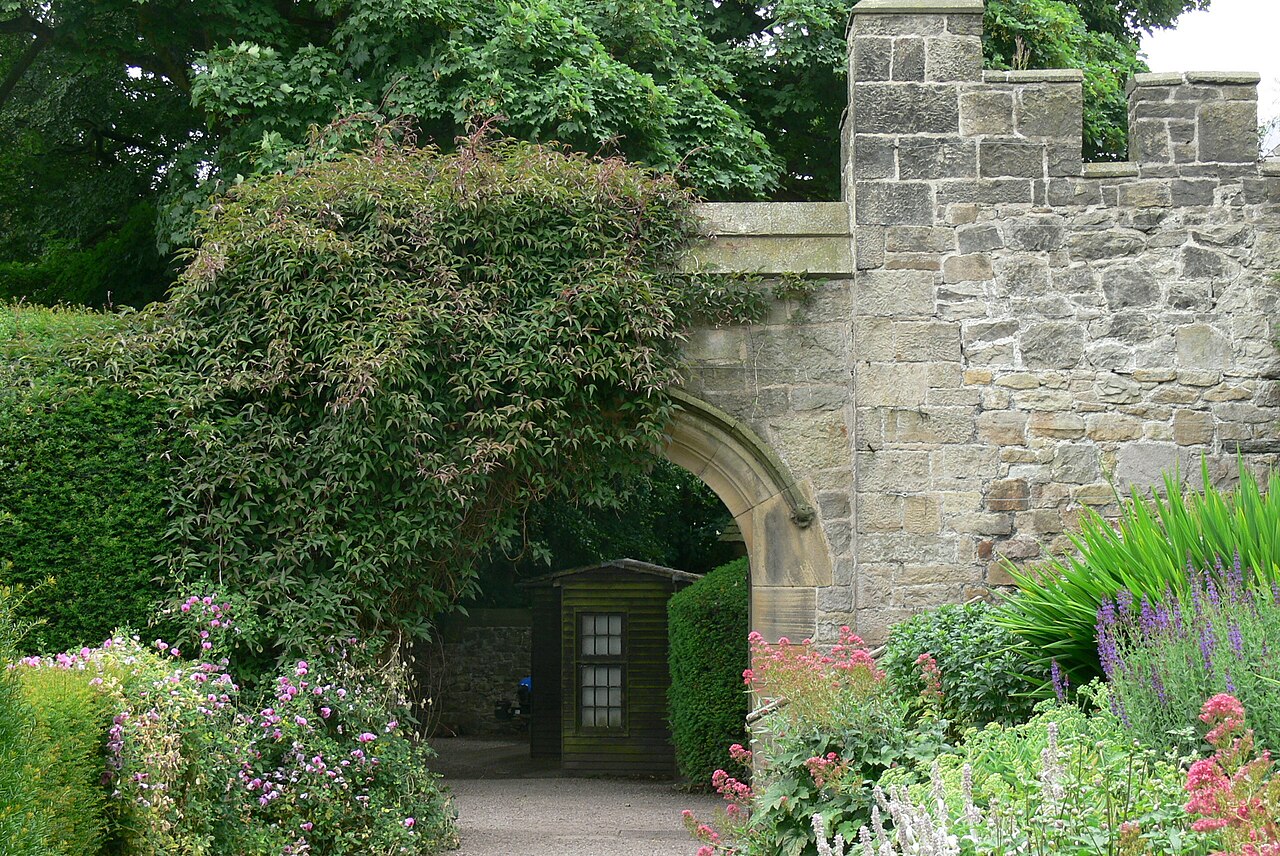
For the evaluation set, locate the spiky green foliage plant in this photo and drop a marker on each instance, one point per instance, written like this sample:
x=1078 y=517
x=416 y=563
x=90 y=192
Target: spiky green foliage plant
x=1146 y=552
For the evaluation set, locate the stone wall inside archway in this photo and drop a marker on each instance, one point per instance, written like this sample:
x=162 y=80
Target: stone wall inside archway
x=1003 y=334
x=789 y=557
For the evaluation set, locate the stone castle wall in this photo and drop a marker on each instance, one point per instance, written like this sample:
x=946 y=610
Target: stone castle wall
x=1005 y=334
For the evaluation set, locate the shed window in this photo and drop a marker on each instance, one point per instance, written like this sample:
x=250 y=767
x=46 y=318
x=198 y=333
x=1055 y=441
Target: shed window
x=601 y=651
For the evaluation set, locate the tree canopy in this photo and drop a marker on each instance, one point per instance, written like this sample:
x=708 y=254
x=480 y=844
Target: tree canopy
x=118 y=111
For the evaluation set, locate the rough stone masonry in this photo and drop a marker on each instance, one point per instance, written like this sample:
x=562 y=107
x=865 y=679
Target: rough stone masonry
x=1004 y=333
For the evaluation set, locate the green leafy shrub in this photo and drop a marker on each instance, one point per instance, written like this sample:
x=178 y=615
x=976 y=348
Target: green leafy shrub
x=82 y=483
x=1145 y=552
x=706 y=623
x=383 y=359
x=24 y=820
x=71 y=718
x=984 y=678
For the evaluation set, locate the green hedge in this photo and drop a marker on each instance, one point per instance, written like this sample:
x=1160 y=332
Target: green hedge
x=82 y=486
x=24 y=822
x=71 y=719
x=708 y=631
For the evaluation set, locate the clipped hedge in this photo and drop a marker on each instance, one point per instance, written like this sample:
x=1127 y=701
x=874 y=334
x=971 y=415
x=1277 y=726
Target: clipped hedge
x=707 y=625
x=24 y=823
x=985 y=678
x=82 y=485
x=71 y=718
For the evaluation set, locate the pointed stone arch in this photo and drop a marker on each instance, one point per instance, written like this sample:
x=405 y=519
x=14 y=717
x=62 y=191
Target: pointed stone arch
x=789 y=556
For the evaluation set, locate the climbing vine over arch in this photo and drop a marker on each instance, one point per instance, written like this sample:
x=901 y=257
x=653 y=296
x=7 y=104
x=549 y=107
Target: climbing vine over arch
x=381 y=359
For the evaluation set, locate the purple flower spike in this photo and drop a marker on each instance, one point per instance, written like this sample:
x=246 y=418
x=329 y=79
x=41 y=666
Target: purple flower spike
x=1158 y=685
x=1207 y=644
x=1147 y=618
x=1237 y=641
x=1061 y=683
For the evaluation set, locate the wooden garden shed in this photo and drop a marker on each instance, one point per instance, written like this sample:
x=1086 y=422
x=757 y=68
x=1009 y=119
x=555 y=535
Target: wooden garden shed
x=599 y=668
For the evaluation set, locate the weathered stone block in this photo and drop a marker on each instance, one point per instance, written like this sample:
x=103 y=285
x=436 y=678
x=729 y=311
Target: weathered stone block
x=893 y=384
x=926 y=341
x=908 y=58
x=1009 y=495
x=1051 y=111
x=1040 y=233
x=1052 y=345
x=1145 y=194
x=1193 y=427
x=1204 y=263
x=871 y=57
x=1227 y=132
x=1113 y=427
x=1003 y=428
x=905 y=108
x=1143 y=465
x=1075 y=463
x=901 y=293
x=881 y=203
x=1060 y=426
x=968 y=268
x=1200 y=346
x=1000 y=159
x=922 y=515
x=979 y=238
x=936 y=157
x=1130 y=286
x=952 y=58
x=1108 y=244
x=874 y=157
x=984 y=111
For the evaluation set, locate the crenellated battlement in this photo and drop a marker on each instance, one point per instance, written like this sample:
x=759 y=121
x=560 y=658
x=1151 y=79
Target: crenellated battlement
x=1193 y=117
x=921 y=108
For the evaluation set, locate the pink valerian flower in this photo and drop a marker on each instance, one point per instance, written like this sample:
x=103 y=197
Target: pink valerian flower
x=930 y=676
x=1234 y=792
x=733 y=790
x=827 y=769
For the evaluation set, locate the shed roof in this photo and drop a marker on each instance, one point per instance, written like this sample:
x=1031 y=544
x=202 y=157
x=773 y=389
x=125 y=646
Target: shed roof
x=630 y=565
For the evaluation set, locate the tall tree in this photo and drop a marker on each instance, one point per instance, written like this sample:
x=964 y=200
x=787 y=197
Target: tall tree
x=106 y=104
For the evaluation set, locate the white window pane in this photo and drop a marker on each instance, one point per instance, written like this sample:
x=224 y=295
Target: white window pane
x=615 y=646
x=588 y=625
x=588 y=646
x=615 y=697
x=615 y=625
x=615 y=676
x=615 y=718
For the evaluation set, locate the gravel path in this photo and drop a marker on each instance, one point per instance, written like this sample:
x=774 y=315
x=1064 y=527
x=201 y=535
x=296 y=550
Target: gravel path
x=508 y=806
